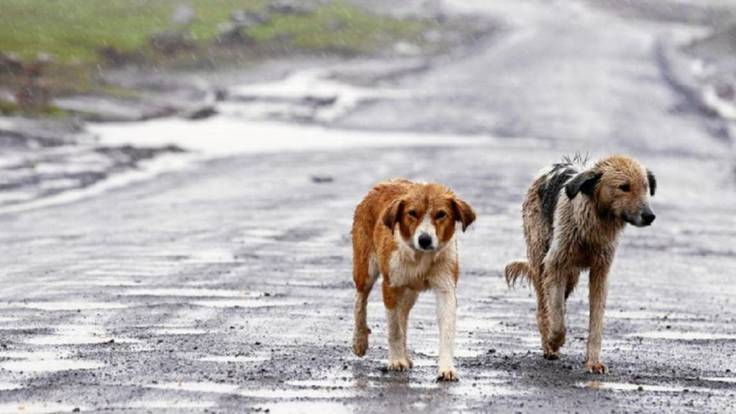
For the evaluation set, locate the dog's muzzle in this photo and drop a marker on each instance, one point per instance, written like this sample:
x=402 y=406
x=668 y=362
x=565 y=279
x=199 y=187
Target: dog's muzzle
x=425 y=241
x=644 y=218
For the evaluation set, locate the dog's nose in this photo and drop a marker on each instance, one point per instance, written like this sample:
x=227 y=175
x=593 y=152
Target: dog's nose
x=648 y=217
x=425 y=241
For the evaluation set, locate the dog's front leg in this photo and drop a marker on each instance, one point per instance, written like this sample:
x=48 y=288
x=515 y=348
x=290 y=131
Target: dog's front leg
x=393 y=299
x=446 y=315
x=597 y=296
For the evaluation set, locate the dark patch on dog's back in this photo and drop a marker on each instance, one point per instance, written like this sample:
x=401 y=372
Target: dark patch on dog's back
x=549 y=191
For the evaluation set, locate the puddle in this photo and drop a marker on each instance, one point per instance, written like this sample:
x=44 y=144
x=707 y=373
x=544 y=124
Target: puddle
x=424 y=362
x=308 y=93
x=306 y=407
x=78 y=335
x=49 y=365
x=322 y=383
x=179 y=331
x=44 y=361
x=729 y=380
x=4 y=319
x=624 y=386
x=192 y=292
x=310 y=393
x=9 y=386
x=211 y=256
x=644 y=315
x=169 y=404
x=103 y=283
x=474 y=324
x=201 y=283
x=259 y=233
x=40 y=407
x=299 y=283
x=152 y=271
x=32 y=354
x=684 y=336
x=242 y=303
x=213 y=387
x=521 y=300
x=485 y=388
x=65 y=306
x=432 y=355
x=234 y=359
x=219 y=388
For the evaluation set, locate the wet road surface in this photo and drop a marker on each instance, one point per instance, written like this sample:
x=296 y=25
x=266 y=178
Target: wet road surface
x=227 y=287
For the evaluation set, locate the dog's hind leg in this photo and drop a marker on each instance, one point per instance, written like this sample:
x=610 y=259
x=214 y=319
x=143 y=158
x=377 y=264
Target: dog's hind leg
x=542 y=323
x=554 y=285
x=365 y=273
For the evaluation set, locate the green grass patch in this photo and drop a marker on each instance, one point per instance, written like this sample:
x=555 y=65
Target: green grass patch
x=11 y=108
x=339 y=26
x=73 y=30
x=8 y=108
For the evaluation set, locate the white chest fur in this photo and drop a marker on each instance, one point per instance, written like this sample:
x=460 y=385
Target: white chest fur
x=421 y=269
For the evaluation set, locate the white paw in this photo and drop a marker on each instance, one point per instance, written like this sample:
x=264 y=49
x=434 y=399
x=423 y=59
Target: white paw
x=400 y=364
x=596 y=367
x=447 y=374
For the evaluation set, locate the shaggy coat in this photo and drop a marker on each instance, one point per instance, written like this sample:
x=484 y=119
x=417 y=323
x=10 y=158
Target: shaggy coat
x=406 y=232
x=573 y=216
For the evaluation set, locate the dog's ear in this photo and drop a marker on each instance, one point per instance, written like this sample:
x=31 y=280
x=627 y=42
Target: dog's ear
x=462 y=212
x=652 y=182
x=583 y=183
x=393 y=213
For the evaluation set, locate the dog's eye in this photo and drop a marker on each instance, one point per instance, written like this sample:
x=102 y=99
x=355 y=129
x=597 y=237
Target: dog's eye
x=625 y=187
x=440 y=215
x=413 y=213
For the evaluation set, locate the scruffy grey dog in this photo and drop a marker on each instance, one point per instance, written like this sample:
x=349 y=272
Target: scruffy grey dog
x=573 y=215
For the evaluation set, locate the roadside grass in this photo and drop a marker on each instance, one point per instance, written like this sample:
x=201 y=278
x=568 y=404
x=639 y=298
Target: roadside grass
x=72 y=31
x=340 y=27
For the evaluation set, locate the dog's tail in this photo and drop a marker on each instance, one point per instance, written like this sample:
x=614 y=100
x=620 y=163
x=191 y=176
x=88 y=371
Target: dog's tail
x=515 y=270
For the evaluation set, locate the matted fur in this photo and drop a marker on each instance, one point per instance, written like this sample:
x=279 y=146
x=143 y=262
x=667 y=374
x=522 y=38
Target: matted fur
x=386 y=228
x=572 y=217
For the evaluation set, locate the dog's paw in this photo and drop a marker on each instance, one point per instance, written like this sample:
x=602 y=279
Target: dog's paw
x=360 y=343
x=550 y=353
x=447 y=374
x=596 y=367
x=556 y=340
x=400 y=364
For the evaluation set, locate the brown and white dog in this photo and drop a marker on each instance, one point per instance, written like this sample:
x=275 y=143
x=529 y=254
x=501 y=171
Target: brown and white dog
x=406 y=232
x=572 y=218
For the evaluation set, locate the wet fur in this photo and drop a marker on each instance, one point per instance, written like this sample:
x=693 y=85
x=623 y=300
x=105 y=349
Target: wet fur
x=384 y=228
x=572 y=218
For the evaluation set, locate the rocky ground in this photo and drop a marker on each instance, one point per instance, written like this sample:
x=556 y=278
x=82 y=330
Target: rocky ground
x=225 y=285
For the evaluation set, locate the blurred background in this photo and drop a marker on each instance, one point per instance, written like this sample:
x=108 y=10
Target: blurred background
x=65 y=65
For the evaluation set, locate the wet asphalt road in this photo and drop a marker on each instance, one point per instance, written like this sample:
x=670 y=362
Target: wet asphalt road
x=227 y=288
